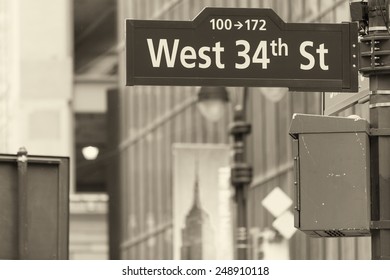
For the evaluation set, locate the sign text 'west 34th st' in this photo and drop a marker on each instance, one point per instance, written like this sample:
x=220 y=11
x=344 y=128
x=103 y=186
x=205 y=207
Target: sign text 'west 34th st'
x=242 y=47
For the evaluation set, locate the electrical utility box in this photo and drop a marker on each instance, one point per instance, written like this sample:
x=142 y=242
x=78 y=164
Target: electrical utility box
x=332 y=175
x=34 y=207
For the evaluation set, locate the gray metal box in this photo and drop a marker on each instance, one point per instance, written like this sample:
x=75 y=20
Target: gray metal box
x=332 y=175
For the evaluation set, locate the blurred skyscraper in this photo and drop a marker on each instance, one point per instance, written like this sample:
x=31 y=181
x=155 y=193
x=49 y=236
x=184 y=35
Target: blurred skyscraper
x=197 y=235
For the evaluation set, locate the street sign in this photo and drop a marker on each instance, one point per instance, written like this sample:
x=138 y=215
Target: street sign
x=34 y=207
x=277 y=202
x=242 y=47
x=284 y=224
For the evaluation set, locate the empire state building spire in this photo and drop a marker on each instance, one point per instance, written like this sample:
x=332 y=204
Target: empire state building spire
x=196 y=187
x=197 y=234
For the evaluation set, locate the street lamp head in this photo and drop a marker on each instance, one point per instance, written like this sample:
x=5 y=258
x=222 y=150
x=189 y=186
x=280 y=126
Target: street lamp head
x=211 y=102
x=90 y=152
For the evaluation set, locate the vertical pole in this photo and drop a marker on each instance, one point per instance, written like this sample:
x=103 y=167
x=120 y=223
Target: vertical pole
x=241 y=234
x=380 y=120
x=113 y=175
x=22 y=204
x=241 y=176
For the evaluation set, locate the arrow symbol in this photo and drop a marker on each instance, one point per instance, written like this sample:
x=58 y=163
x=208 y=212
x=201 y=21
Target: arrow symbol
x=238 y=25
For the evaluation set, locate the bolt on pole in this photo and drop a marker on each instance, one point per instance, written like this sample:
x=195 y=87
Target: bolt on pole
x=375 y=63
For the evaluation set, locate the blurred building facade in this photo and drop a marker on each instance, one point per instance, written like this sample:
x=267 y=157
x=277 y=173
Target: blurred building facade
x=40 y=97
x=94 y=34
x=36 y=77
x=62 y=77
x=153 y=118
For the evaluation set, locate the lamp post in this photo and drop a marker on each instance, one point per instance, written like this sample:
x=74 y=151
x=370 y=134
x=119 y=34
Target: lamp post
x=241 y=174
x=211 y=100
x=375 y=64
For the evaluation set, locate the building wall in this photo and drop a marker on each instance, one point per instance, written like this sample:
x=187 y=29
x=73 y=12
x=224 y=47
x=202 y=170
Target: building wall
x=36 y=90
x=7 y=69
x=153 y=118
x=88 y=227
x=41 y=81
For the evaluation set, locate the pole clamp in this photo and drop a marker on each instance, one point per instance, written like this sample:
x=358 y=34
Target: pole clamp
x=381 y=104
x=374 y=55
x=241 y=174
x=383 y=224
x=380 y=132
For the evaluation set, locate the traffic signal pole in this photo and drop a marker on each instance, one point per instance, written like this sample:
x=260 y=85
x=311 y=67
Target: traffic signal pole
x=377 y=46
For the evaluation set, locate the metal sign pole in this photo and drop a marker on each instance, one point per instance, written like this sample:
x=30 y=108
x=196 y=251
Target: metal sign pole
x=379 y=72
x=22 y=204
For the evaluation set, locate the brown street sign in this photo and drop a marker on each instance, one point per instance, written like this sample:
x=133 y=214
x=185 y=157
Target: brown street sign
x=242 y=47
